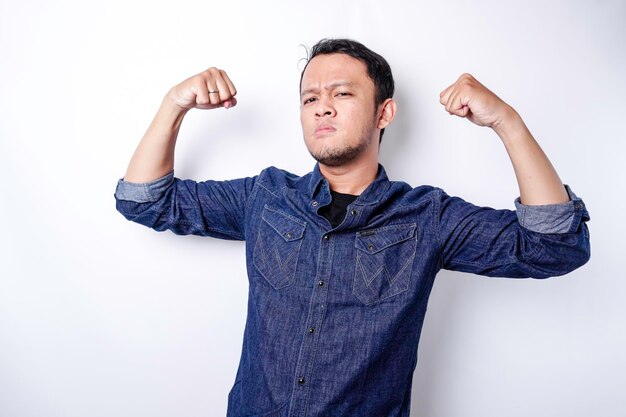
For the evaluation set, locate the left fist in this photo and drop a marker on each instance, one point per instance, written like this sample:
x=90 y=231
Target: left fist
x=470 y=99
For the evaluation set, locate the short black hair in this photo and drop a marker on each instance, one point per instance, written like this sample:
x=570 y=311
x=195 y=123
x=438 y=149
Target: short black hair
x=377 y=67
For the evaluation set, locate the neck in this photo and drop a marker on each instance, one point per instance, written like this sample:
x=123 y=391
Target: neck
x=350 y=178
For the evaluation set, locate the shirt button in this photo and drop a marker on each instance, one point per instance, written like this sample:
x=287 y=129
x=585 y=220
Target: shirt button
x=301 y=380
x=326 y=237
x=320 y=283
x=353 y=212
x=370 y=247
x=314 y=203
x=311 y=330
x=288 y=235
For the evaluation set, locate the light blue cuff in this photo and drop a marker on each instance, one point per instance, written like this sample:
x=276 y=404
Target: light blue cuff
x=553 y=218
x=146 y=192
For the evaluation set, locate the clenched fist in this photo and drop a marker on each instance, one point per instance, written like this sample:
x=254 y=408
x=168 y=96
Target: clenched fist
x=208 y=90
x=470 y=99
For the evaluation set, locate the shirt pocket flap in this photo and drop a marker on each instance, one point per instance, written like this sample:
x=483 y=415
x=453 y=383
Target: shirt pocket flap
x=286 y=226
x=375 y=240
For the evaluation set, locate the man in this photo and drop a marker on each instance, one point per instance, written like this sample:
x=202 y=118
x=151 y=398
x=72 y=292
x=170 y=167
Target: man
x=341 y=261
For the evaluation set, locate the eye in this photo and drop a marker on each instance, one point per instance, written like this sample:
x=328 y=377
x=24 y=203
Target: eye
x=343 y=94
x=308 y=100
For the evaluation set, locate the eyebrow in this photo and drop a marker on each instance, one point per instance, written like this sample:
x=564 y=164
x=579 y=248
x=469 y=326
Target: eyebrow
x=330 y=86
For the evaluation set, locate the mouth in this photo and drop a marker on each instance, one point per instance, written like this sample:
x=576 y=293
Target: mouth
x=324 y=129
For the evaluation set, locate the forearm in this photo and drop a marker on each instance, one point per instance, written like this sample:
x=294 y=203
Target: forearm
x=154 y=156
x=538 y=181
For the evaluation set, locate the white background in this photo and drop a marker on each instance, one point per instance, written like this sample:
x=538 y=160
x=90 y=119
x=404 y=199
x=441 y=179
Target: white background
x=102 y=317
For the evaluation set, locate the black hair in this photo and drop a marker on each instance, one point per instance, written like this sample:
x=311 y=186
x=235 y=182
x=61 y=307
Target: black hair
x=377 y=67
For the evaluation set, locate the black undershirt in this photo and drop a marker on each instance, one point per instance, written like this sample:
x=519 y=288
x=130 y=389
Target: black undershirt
x=335 y=212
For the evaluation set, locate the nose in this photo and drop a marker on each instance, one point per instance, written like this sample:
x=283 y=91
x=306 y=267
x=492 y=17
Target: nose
x=324 y=108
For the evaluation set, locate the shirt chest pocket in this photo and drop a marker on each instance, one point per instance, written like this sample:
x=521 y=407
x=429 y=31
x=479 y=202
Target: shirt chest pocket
x=384 y=260
x=277 y=247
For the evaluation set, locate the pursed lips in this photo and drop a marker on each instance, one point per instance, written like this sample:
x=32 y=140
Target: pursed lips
x=324 y=128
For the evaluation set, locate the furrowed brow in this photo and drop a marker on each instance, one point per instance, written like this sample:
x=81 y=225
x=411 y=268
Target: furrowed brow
x=330 y=86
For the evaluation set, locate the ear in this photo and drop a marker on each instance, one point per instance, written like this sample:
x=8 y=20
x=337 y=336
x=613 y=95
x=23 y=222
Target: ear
x=387 y=113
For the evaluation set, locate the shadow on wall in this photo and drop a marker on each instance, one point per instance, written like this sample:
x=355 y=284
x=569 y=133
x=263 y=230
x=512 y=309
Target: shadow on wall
x=400 y=133
x=435 y=345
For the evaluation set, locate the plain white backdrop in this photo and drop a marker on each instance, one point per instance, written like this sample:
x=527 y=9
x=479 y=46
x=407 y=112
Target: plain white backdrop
x=102 y=317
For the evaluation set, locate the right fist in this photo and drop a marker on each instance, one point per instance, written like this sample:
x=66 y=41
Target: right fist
x=208 y=90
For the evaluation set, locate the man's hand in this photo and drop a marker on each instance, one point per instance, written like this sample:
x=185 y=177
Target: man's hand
x=470 y=99
x=208 y=90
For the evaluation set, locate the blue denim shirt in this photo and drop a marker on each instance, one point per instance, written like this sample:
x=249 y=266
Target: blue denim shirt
x=334 y=315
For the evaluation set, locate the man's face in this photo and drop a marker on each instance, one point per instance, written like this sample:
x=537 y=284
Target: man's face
x=337 y=109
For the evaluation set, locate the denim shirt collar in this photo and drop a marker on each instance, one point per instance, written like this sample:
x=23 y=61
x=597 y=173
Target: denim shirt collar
x=371 y=195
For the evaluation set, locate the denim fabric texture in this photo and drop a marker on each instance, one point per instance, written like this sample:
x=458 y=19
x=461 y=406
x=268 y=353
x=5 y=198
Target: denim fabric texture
x=335 y=314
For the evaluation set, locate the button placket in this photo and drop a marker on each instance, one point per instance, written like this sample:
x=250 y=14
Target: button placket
x=317 y=310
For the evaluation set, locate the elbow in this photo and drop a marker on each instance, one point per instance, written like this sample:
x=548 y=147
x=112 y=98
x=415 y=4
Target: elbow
x=584 y=248
x=142 y=213
x=566 y=254
x=581 y=252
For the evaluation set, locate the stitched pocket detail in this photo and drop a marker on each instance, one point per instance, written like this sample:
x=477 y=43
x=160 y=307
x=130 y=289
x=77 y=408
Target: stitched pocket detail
x=277 y=247
x=384 y=260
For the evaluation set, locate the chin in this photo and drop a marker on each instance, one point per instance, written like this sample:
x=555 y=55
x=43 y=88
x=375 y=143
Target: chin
x=337 y=156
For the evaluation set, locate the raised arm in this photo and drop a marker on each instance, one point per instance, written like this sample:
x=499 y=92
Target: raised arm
x=154 y=156
x=539 y=184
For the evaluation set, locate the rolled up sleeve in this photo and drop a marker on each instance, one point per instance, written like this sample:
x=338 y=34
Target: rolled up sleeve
x=553 y=218
x=147 y=192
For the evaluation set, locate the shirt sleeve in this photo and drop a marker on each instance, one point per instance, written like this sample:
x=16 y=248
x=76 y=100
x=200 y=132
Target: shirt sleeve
x=147 y=192
x=209 y=208
x=532 y=241
x=552 y=218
